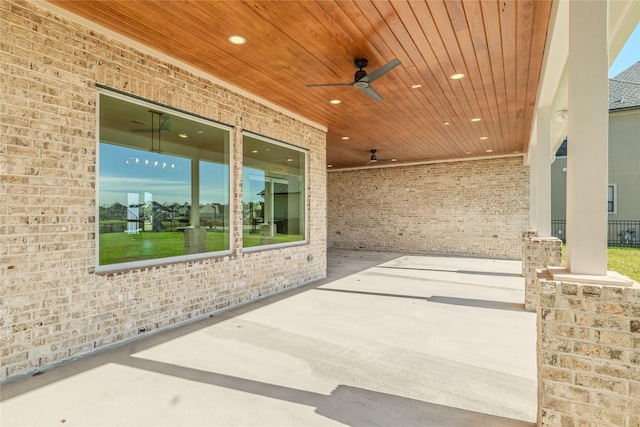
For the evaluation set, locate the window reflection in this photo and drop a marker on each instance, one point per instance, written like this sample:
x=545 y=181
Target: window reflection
x=273 y=193
x=163 y=184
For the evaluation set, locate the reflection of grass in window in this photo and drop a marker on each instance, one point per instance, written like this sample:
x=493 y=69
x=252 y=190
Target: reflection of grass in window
x=250 y=239
x=122 y=247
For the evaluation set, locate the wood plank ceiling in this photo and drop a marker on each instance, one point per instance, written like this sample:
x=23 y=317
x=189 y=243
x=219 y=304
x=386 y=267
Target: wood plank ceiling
x=497 y=45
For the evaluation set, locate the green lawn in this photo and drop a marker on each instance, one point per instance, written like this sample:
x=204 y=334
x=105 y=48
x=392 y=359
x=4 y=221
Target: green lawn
x=123 y=247
x=249 y=239
x=625 y=261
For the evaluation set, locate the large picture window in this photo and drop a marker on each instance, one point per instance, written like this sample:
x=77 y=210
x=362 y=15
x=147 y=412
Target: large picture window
x=273 y=192
x=163 y=181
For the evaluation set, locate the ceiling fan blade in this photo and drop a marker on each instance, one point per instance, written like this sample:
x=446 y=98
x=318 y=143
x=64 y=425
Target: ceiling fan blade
x=372 y=93
x=164 y=125
x=375 y=75
x=330 y=84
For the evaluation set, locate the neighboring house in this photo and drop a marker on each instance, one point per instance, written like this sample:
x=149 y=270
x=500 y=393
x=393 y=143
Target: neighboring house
x=624 y=160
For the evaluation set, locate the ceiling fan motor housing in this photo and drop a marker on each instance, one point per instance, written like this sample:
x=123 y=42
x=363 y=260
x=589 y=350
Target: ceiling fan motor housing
x=361 y=63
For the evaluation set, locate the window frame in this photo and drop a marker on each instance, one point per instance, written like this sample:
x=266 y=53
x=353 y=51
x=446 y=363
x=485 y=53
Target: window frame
x=132 y=265
x=614 y=187
x=305 y=152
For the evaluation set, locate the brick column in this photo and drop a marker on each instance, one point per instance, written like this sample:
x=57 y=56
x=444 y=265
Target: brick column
x=588 y=354
x=538 y=253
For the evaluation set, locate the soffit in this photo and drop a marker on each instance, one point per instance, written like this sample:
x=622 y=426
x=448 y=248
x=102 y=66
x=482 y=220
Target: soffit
x=498 y=45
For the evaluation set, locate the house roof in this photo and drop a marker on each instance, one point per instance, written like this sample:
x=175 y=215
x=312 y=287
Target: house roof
x=624 y=89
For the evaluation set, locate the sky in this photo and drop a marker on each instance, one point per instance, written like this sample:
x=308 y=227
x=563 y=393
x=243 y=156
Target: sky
x=629 y=55
x=166 y=179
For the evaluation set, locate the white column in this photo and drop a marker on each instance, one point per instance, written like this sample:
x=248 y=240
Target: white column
x=195 y=192
x=543 y=176
x=533 y=186
x=588 y=123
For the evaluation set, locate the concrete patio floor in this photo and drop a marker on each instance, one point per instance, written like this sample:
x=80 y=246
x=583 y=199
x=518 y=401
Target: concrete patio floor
x=386 y=340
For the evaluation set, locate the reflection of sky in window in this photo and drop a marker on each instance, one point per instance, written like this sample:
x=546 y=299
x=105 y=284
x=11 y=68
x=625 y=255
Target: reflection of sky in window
x=252 y=185
x=168 y=178
x=214 y=183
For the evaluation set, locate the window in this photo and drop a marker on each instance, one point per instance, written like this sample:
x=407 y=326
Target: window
x=273 y=192
x=163 y=183
x=612 y=199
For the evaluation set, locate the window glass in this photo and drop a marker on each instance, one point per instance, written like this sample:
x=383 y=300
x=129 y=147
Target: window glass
x=611 y=198
x=163 y=180
x=273 y=193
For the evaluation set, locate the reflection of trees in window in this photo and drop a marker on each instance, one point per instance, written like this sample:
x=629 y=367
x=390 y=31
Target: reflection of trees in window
x=273 y=192
x=163 y=180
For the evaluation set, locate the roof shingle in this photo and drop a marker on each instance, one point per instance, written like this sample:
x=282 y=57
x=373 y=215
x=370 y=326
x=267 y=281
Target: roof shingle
x=624 y=89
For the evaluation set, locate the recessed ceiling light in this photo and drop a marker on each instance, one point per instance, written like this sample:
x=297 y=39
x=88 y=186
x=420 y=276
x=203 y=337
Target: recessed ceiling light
x=489 y=151
x=335 y=101
x=394 y=160
x=446 y=123
x=516 y=152
x=329 y=166
x=183 y=135
x=417 y=86
x=254 y=151
x=457 y=76
x=237 y=39
x=468 y=152
x=289 y=160
x=476 y=119
x=484 y=137
x=345 y=137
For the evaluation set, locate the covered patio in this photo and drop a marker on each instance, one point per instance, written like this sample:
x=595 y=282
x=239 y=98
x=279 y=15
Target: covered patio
x=386 y=339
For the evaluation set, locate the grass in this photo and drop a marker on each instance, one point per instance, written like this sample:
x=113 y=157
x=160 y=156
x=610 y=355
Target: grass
x=624 y=260
x=249 y=240
x=121 y=247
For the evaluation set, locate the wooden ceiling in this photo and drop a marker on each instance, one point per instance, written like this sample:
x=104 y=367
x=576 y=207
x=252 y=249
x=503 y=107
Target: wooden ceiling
x=498 y=45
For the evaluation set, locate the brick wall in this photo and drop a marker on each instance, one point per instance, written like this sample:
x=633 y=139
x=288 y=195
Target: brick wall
x=475 y=207
x=54 y=306
x=539 y=253
x=588 y=355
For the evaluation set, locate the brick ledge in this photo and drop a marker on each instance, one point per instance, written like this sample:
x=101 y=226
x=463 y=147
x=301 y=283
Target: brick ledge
x=612 y=278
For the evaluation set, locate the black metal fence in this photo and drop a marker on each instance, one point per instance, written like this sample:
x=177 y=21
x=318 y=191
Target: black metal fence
x=619 y=232
x=559 y=229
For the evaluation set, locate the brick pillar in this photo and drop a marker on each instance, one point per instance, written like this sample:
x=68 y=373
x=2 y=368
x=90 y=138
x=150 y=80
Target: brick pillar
x=588 y=354
x=539 y=252
x=526 y=236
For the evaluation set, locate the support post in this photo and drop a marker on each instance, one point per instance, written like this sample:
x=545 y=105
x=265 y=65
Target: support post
x=543 y=172
x=533 y=187
x=587 y=159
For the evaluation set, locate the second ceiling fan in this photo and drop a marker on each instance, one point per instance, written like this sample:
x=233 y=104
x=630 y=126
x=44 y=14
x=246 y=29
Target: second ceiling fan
x=375 y=159
x=362 y=80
